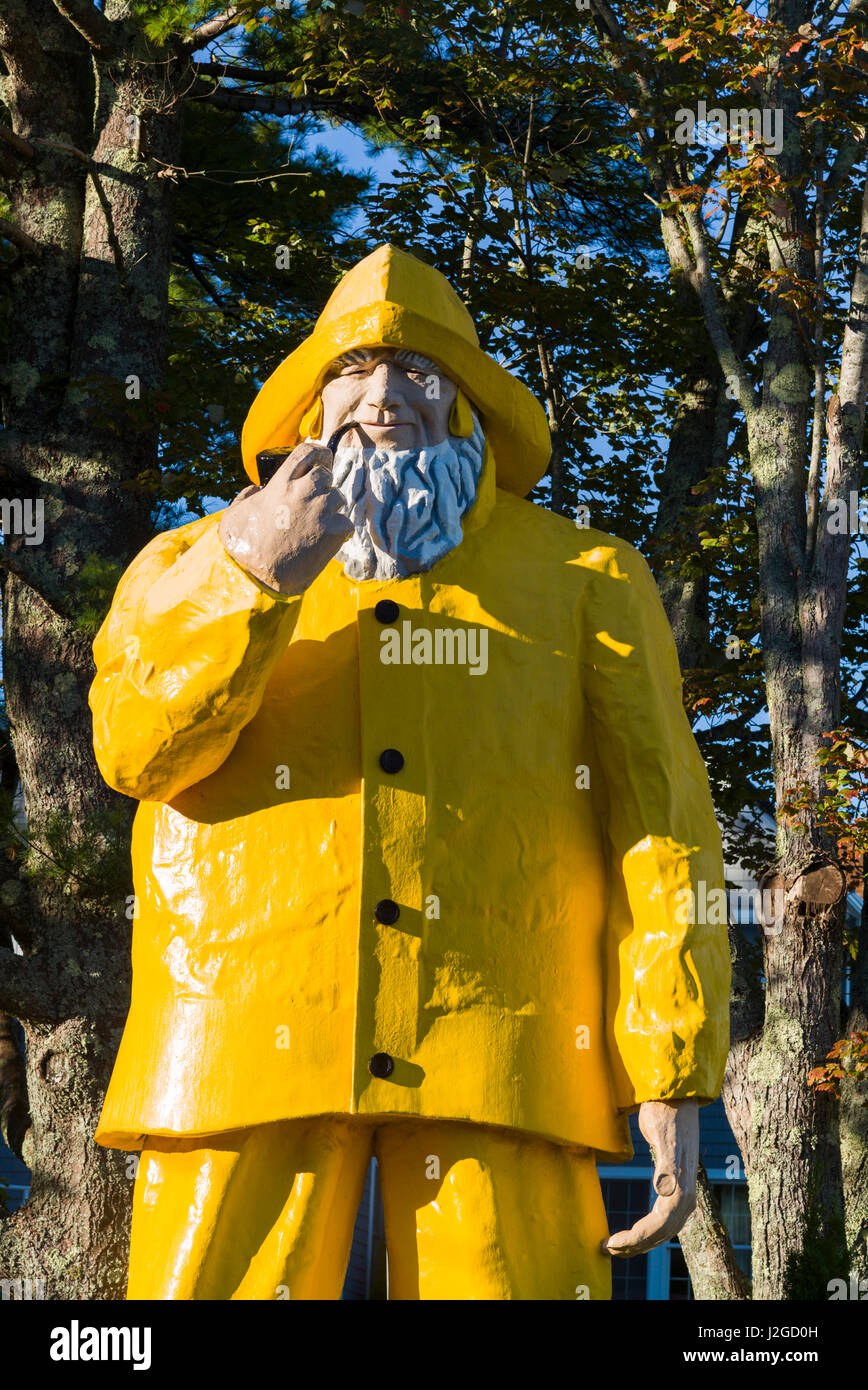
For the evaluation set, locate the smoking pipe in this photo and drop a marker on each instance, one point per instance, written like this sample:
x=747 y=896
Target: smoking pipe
x=269 y=460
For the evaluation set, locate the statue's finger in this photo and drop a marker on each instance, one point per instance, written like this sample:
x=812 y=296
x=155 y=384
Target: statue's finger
x=658 y=1226
x=305 y=457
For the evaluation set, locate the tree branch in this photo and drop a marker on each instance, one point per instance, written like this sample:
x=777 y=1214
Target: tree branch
x=22 y=148
x=24 y=567
x=826 y=13
x=849 y=154
x=65 y=149
x=611 y=29
x=104 y=35
x=708 y=1253
x=27 y=243
x=199 y=275
x=230 y=99
x=703 y=282
x=728 y=728
x=101 y=194
x=213 y=28
x=177 y=171
x=611 y=37
x=858 y=1013
x=239 y=73
x=854 y=349
x=20 y=238
x=846 y=413
x=113 y=242
x=813 y=512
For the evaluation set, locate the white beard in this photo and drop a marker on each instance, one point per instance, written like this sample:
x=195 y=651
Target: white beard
x=406 y=505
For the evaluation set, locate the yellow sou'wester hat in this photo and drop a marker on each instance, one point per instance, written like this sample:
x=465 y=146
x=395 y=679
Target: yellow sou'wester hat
x=392 y=299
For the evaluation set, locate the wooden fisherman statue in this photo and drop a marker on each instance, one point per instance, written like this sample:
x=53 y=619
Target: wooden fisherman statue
x=420 y=811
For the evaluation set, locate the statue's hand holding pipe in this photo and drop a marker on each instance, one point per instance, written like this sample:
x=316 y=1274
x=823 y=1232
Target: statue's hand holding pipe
x=285 y=532
x=672 y=1130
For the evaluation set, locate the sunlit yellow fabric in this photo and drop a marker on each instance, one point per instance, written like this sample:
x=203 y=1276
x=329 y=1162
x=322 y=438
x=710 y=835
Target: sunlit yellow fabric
x=392 y=299
x=539 y=976
x=471 y=1213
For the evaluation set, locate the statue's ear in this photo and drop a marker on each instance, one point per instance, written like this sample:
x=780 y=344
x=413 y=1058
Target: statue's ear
x=460 y=417
x=310 y=424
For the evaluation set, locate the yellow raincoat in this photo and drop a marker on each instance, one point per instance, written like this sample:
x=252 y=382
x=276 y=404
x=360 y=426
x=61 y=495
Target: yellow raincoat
x=551 y=806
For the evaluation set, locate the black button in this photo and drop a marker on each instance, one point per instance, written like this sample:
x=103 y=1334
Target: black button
x=391 y=760
x=387 y=912
x=386 y=611
x=381 y=1065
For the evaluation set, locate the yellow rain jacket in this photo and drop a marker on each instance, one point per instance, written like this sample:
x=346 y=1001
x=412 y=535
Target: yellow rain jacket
x=541 y=972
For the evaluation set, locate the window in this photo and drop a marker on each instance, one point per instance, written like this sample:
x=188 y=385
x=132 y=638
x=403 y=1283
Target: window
x=626 y=1200
x=735 y=1211
x=662 y=1275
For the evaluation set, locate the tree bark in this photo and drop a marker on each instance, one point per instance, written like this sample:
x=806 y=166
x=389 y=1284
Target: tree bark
x=681 y=576
x=90 y=317
x=714 y=1271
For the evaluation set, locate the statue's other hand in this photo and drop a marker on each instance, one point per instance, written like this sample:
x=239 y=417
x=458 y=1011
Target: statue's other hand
x=286 y=532
x=672 y=1130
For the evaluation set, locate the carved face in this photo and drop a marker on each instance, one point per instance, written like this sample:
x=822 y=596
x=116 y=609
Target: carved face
x=401 y=399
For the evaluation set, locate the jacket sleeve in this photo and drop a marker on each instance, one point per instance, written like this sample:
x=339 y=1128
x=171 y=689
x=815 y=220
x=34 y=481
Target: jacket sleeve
x=669 y=964
x=182 y=662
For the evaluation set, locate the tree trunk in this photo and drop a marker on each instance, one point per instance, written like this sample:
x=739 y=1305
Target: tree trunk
x=845 y=425
x=90 y=314
x=714 y=1271
x=795 y=1165
x=795 y=1169
x=681 y=576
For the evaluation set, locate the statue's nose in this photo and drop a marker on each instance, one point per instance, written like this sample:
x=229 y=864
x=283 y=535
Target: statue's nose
x=384 y=387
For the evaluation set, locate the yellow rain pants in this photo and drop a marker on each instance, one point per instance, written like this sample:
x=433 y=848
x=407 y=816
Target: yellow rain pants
x=471 y=1212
